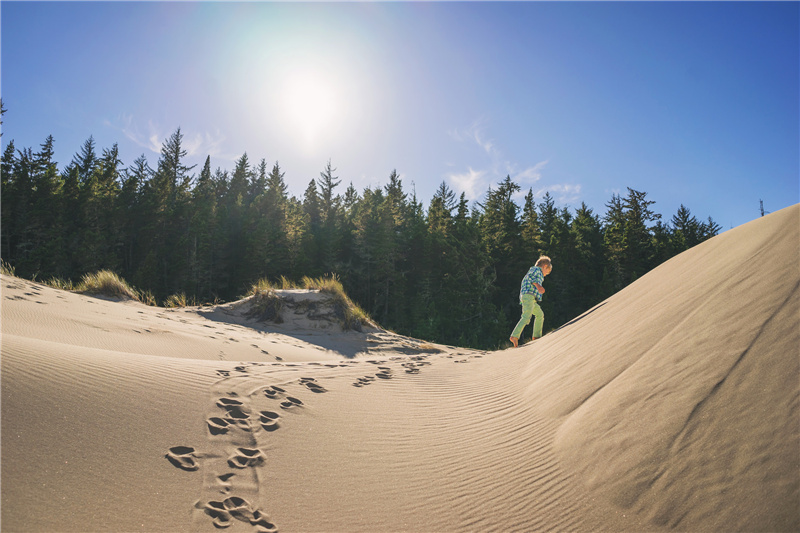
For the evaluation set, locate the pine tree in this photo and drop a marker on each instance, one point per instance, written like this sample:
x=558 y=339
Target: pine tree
x=204 y=236
x=328 y=203
x=614 y=243
x=709 y=229
x=589 y=260
x=392 y=264
x=440 y=210
x=531 y=233
x=327 y=232
x=547 y=220
x=46 y=215
x=501 y=234
x=239 y=191
x=8 y=200
x=311 y=245
x=166 y=198
x=685 y=230
x=273 y=207
x=86 y=159
x=639 y=254
x=130 y=213
x=18 y=218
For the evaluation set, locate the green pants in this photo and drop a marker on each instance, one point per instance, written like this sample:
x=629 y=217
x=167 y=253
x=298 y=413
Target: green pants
x=530 y=308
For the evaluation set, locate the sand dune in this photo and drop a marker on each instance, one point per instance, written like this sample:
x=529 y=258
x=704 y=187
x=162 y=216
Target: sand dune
x=671 y=406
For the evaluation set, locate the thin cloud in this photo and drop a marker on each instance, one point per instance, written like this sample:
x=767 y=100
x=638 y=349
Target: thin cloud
x=472 y=183
x=126 y=125
x=563 y=194
x=198 y=144
x=204 y=144
x=475 y=133
x=529 y=175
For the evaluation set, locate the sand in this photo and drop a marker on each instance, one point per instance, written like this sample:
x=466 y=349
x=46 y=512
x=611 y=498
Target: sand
x=673 y=405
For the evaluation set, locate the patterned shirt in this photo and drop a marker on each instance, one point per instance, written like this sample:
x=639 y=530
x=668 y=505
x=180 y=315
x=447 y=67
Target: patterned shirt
x=534 y=275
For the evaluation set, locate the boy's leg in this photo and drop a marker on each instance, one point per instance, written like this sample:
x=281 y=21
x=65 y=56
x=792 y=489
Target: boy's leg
x=528 y=304
x=538 y=320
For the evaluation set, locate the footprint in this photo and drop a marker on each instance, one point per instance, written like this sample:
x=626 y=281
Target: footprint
x=236 y=409
x=246 y=457
x=217 y=426
x=269 y=420
x=384 y=374
x=263 y=523
x=183 y=457
x=225 y=511
x=269 y=393
x=366 y=380
x=224 y=483
x=240 y=509
x=290 y=402
x=312 y=385
x=226 y=402
x=220 y=516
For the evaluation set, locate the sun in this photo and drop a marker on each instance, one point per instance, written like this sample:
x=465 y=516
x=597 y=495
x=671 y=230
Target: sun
x=310 y=104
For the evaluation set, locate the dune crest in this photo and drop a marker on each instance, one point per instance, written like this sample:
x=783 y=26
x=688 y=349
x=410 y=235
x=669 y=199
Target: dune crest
x=679 y=395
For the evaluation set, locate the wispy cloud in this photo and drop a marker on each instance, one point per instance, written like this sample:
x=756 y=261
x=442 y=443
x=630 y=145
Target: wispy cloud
x=204 y=144
x=563 y=193
x=474 y=133
x=153 y=136
x=473 y=183
x=125 y=124
x=528 y=176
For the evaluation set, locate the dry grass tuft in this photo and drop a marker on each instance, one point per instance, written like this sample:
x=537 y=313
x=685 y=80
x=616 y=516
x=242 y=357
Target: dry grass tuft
x=60 y=283
x=179 y=300
x=266 y=304
x=106 y=283
x=351 y=315
x=6 y=269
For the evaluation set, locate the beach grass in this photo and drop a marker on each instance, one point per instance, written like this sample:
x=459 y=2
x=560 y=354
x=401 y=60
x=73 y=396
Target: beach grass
x=352 y=315
x=267 y=306
x=179 y=300
x=106 y=283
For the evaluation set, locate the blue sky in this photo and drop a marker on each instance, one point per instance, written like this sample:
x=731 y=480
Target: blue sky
x=695 y=103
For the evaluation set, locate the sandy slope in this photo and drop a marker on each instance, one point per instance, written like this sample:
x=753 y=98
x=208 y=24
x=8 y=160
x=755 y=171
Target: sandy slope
x=672 y=405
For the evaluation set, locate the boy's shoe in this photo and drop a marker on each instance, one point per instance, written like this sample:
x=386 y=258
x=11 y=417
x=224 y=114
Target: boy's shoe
x=514 y=341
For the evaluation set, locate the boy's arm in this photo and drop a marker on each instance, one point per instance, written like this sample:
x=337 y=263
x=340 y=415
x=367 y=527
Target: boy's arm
x=537 y=280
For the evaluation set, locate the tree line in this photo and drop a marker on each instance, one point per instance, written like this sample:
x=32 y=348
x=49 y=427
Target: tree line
x=448 y=273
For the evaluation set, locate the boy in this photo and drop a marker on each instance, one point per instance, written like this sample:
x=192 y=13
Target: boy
x=530 y=294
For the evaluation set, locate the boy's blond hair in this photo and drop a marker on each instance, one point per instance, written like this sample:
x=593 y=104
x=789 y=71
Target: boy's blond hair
x=544 y=261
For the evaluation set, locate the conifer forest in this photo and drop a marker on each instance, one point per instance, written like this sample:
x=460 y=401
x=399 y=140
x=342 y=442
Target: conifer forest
x=448 y=272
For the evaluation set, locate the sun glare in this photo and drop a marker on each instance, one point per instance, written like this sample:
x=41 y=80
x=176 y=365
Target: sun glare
x=310 y=104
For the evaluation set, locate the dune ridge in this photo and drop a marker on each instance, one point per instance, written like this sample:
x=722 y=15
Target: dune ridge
x=672 y=405
x=688 y=413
